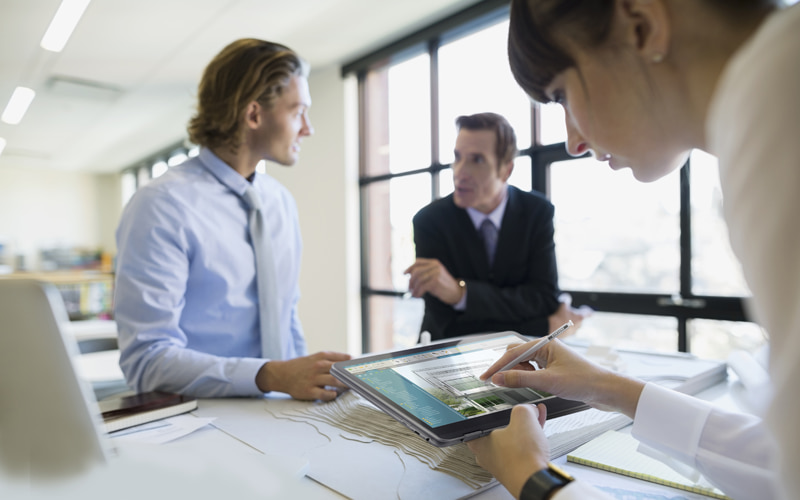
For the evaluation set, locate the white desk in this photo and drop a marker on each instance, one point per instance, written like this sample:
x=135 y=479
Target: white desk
x=247 y=436
x=252 y=422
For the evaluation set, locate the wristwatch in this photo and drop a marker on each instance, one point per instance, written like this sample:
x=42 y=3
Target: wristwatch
x=543 y=484
x=462 y=286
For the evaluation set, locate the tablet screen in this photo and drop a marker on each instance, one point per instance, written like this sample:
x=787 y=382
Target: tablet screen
x=438 y=384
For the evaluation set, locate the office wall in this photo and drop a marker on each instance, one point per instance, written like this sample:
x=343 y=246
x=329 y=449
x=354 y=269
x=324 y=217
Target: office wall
x=109 y=209
x=325 y=185
x=46 y=208
x=42 y=208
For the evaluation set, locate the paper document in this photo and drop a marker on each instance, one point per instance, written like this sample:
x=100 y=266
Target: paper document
x=162 y=431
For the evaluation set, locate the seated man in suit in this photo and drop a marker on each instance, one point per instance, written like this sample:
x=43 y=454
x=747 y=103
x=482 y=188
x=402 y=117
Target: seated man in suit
x=485 y=254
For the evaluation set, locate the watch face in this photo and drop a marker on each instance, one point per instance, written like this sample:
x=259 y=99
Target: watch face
x=544 y=483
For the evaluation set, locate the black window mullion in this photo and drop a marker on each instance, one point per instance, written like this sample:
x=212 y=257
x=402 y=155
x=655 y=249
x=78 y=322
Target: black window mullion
x=468 y=20
x=686 y=252
x=539 y=169
x=539 y=181
x=433 y=51
x=706 y=307
x=362 y=158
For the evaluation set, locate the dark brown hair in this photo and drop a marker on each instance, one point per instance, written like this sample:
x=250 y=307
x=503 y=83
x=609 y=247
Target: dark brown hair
x=246 y=70
x=506 y=139
x=534 y=54
x=538 y=28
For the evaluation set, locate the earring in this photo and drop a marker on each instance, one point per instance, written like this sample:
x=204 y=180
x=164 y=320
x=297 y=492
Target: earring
x=657 y=57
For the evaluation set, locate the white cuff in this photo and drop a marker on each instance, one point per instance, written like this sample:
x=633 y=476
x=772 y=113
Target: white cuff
x=670 y=422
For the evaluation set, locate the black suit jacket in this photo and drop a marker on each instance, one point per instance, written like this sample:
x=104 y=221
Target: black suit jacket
x=520 y=290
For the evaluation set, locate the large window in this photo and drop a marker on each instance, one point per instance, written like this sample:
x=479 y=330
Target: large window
x=154 y=166
x=651 y=259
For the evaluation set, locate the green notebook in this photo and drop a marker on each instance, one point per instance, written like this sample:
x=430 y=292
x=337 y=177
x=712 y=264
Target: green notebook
x=616 y=452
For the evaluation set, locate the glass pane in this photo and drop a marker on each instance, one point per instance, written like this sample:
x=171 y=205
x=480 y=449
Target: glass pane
x=715 y=269
x=717 y=339
x=397 y=132
x=446 y=182
x=128 y=185
x=159 y=168
x=390 y=207
x=376 y=128
x=614 y=233
x=553 y=129
x=521 y=177
x=410 y=115
x=408 y=195
x=377 y=237
x=394 y=322
x=142 y=176
x=177 y=158
x=629 y=331
x=473 y=79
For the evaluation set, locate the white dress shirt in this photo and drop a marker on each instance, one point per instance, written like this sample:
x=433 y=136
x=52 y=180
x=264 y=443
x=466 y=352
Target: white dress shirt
x=477 y=217
x=752 y=127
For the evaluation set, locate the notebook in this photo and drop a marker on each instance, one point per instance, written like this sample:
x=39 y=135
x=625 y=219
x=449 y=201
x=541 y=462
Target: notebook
x=617 y=452
x=135 y=409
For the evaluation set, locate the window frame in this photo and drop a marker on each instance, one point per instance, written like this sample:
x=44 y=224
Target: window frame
x=683 y=306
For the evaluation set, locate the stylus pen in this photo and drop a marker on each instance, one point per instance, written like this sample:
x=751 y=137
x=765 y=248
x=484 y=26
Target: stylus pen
x=543 y=342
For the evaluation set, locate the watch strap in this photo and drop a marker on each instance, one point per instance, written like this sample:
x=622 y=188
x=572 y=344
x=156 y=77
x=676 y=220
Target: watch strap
x=543 y=484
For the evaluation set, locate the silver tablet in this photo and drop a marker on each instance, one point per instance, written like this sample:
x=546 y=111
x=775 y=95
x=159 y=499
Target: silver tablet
x=435 y=391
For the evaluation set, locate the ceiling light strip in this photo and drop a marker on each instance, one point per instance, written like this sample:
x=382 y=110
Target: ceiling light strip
x=63 y=24
x=18 y=105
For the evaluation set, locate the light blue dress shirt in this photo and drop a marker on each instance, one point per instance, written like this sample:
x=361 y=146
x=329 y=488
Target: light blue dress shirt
x=186 y=301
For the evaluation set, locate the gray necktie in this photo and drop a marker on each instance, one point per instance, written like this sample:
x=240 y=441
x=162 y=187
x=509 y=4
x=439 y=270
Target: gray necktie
x=269 y=312
x=489 y=234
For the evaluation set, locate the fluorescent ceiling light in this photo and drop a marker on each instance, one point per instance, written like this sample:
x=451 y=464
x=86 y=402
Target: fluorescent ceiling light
x=2 y=145
x=63 y=23
x=18 y=105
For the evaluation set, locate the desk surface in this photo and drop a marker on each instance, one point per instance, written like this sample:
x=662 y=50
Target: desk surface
x=247 y=431
x=252 y=422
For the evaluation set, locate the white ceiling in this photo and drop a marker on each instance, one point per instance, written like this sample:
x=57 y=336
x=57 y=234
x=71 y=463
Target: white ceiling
x=123 y=86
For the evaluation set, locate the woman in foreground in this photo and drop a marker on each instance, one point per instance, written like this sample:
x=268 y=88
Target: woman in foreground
x=643 y=82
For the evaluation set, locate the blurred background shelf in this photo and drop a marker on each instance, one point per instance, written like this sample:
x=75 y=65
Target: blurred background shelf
x=87 y=294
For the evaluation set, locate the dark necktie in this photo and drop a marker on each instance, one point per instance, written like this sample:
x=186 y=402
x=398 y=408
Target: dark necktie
x=268 y=311
x=489 y=234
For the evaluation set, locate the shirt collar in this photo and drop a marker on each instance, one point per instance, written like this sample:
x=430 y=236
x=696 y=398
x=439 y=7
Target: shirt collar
x=496 y=215
x=224 y=173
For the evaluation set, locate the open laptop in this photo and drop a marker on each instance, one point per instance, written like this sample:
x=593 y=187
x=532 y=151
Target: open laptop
x=52 y=443
x=49 y=423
